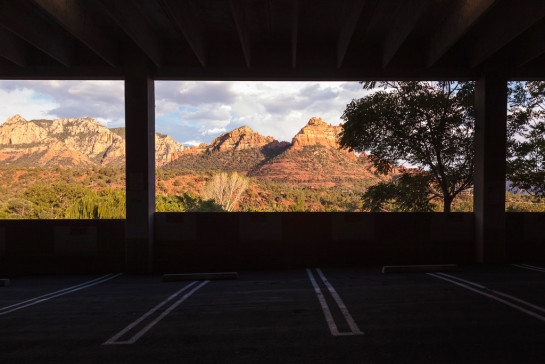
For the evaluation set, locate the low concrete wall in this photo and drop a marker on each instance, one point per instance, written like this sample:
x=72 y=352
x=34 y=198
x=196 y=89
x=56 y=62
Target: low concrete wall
x=187 y=242
x=61 y=246
x=525 y=237
x=227 y=241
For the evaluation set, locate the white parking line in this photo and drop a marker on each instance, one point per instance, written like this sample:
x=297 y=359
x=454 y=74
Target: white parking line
x=139 y=334
x=325 y=308
x=462 y=280
x=530 y=267
x=62 y=292
x=355 y=329
x=493 y=294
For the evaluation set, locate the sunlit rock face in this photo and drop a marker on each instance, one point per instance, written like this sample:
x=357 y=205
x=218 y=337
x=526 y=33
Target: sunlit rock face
x=239 y=139
x=166 y=149
x=77 y=142
x=16 y=130
x=319 y=132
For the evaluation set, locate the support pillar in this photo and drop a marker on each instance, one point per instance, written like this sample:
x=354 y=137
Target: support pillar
x=490 y=166
x=140 y=165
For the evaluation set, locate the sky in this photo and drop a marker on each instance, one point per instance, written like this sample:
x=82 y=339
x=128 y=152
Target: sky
x=192 y=112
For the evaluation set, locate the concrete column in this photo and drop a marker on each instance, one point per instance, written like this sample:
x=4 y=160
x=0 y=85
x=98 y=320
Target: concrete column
x=490 y=160
x=140 y=144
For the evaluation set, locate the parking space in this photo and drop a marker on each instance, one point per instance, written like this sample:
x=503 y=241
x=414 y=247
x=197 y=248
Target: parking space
x=348 y=315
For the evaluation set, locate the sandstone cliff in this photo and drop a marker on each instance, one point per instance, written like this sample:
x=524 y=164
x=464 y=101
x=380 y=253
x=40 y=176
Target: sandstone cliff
x=318 y=132
x=239 y=139
x=166 y=149
x=70 y=142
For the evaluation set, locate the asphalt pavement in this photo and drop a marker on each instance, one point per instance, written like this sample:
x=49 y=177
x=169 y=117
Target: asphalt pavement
x=479 y=314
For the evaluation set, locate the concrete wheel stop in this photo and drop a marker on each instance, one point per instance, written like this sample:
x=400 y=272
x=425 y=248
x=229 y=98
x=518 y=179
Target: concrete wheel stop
x=425 y=268
x=4 y=282
x=199 y=276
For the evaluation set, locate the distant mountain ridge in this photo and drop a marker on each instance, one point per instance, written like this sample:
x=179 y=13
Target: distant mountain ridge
x=313 y=158
x=79 y=142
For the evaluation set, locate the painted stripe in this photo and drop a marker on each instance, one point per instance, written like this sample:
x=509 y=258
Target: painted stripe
x=536 y=307
x=60 y=294
x=353 y=326
x=497 y=292
x=530 y=267
x=533 y=266
x=515 y=306
x=325 y=308
x=52 y=293
x=114 y=338
x=462 y=280
x=142 y=332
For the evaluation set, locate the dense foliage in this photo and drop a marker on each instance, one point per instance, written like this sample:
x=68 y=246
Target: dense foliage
x=429 y=125
x=409 y=193
x=526 y=137
x=44 y=194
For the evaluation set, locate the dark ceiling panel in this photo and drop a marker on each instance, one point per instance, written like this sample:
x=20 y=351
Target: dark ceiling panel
x=29 y=24
x=131 y=20
x=13 y=48
x=273 y=39
x=74 y=17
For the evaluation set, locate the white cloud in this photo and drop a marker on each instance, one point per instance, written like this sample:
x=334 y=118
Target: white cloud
x=214 y=131
x=192 y=142
x=103 y=100
x=188 y=110
x=25 y=103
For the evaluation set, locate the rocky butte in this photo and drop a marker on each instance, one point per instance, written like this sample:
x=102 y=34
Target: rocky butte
x=238 y=139
x=313 y=159
x=319 y=132
x=77 y=142
x=316 y=132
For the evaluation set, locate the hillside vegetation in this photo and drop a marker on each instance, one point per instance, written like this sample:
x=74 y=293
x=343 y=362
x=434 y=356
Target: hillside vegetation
x=309 y=174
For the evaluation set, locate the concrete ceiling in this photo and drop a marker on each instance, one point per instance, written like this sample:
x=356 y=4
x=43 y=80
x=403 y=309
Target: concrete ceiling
x=273 y=39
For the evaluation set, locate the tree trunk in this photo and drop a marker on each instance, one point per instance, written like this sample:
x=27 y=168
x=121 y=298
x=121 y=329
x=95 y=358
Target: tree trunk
x=447 y=201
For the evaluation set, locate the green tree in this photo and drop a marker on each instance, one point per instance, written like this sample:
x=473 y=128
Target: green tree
x=20 y=207
x=53 y=200
x=106 y=204
x=186 y=202
x=410 y=193
x=526 y=137
x=429 y=125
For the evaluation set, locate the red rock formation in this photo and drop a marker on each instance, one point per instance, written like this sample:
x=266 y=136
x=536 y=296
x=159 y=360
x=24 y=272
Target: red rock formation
x=318 y=131
x=73 y=142
x=201 y=148
x=275 y=144
x=239 y=139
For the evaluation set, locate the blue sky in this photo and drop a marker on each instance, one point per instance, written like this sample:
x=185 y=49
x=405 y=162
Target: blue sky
x=191 y=112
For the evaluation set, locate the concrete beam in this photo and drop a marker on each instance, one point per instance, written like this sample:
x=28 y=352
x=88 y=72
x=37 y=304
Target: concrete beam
x=13 y=49
x=180 y=16
x=406 y=19
x=355 y=8
x=46 y=37
x=73 y=16
x=132 y=22
x=140 y=151
x=462 y=17
x=499 y=32
x=490 y=156
x=295 y=9
x=239 y=17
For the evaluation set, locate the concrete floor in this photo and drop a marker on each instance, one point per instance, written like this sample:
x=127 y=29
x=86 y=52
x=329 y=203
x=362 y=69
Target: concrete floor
x=277 y=317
